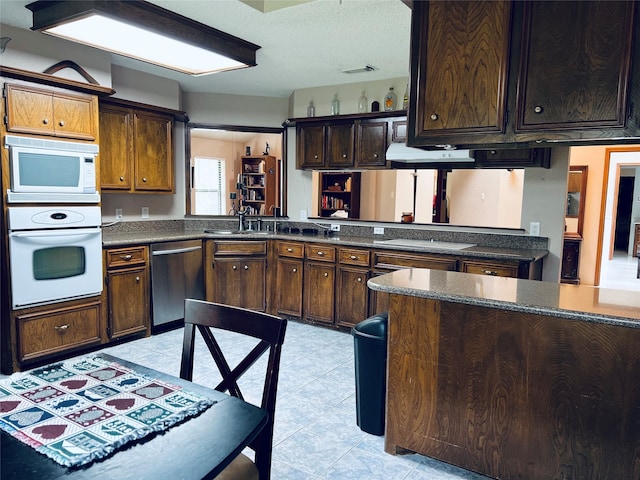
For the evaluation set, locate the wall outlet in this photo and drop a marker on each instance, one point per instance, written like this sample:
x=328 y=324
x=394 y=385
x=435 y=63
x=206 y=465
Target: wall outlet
x=335 y=228
x=378 y=230
x=118 y=213
x=534 y=229
x=145 y=212
x=303 y=215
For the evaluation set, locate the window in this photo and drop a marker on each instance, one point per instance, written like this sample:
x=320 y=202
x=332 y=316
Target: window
x=209 y=192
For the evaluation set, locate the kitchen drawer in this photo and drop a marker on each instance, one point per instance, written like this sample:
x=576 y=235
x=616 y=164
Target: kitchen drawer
x=353 y=256
x=239 y=248
x=291 y=249
x=397 y=261
x=489 y=268
x=125 y=257
x=320 y=253
x=58 y=330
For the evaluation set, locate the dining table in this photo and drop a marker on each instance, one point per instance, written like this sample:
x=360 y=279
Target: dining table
x=200 y=447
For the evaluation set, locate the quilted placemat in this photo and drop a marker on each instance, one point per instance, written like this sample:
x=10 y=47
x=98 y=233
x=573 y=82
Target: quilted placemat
x=78 y=411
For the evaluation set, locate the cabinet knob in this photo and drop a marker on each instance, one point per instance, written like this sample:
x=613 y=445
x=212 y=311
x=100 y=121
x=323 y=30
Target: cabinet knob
x=289 y=250
x=235 y=267
x=344 y=155
x=126 y=257
x=434 y=117
x=320 y=253
x=246 y=267
x=294 y=270
x=61 y=328
x=61 y=123
x=137 y=279
x=490 y=272
x=144 y=179
x=375 y=155
x=353 y=257
x=326 y=274
x=360 y=279
x=315 y=156
x=537 y=109
x=493 y=152
x=45 y=121
x=122 y=179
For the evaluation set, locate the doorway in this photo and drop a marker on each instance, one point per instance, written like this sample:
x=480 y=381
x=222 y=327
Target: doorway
x=616 y=267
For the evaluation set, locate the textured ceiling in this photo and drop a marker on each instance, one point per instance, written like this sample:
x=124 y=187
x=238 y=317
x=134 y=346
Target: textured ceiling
x=303 y=44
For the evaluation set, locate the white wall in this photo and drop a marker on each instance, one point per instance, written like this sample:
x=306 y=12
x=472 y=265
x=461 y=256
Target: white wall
x=544 y=200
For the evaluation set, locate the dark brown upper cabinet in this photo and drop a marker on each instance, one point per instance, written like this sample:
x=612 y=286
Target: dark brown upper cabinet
x=371 y=143
x=514 y=74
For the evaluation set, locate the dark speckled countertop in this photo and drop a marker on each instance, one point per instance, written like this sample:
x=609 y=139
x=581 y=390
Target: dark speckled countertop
x=576 y=302
x=119 y=239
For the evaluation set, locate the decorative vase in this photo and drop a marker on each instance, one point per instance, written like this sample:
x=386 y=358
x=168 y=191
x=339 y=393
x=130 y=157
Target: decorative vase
x=335 y=105
x=362 y=103
x=390 y=100
x=311 y=109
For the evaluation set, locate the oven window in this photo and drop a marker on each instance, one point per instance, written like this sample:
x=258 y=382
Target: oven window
x=58 y=262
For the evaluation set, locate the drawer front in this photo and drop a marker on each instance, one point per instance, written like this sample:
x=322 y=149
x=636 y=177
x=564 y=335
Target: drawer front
x=291 y=249
x=54 y=331
x=353 y=256
x=397 y=261
x=490 y=268
x=239 y=248
x=320 y=253
x=125 y=257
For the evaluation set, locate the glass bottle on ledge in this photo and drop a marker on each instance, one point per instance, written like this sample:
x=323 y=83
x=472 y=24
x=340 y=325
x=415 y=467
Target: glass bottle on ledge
x=311 y=109
x=362 y=103
x=405 y=99
x=335 y=105
x=390 y=100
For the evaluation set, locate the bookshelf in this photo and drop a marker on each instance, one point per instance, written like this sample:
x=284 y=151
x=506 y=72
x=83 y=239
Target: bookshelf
x=339 y=191
x=261 y=180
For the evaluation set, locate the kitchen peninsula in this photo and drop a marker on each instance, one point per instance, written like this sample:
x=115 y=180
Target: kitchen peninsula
x=513 y=378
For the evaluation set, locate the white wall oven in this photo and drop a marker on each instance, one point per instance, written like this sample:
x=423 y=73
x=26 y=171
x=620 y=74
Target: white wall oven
x=55 y=253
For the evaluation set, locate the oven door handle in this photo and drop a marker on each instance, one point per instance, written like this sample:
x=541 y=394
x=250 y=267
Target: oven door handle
x=56 y=236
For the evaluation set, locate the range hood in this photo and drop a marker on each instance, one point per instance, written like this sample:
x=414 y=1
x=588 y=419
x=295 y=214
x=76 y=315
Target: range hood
x=400 y=153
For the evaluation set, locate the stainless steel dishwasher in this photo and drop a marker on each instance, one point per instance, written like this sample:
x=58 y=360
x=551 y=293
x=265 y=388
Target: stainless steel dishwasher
x=176 y=274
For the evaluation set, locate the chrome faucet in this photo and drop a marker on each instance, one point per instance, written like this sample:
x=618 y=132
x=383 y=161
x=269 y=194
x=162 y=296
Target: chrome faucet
x=241 y=214
x=276 y=214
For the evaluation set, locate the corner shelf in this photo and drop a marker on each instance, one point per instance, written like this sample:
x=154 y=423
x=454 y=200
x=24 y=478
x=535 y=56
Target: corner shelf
x=339 y=191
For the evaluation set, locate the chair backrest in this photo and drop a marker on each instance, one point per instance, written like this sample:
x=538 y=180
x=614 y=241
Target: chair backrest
x=205 y=317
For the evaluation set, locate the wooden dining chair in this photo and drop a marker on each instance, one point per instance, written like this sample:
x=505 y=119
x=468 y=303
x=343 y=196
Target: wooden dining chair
x=207 y=317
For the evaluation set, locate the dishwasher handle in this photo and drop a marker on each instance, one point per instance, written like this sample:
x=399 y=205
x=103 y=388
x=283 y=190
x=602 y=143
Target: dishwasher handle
x=175 y=250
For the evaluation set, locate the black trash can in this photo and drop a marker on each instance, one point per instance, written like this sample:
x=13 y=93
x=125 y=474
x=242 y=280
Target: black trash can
x=370 y=355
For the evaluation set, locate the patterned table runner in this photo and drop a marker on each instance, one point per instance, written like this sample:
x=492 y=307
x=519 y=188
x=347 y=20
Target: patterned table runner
x=81 y=410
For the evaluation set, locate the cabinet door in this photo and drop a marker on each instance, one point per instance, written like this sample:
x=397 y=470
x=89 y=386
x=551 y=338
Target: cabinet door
x=371 y=144
x=352 y=296
x=460 y=66
x=340 y=145
x=116 y=149
x=29 y=110
x=75 y=116
x=310 y=146
x=582 y=84
x=240 y=282
x=319 y=292
x=289 y=287
x=153 y=152
x=128 y=292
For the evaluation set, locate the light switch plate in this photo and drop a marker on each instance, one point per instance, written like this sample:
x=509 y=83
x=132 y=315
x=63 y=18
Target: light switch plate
x=378 y=230
x=145 y=212
x=335 y=227
x=118 y=213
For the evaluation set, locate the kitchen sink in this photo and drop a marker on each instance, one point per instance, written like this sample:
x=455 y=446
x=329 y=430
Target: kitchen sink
x=409 y=242
x=220 y=232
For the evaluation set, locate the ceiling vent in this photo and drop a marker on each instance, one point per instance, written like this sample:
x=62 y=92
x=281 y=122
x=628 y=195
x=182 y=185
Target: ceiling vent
x=366 y=68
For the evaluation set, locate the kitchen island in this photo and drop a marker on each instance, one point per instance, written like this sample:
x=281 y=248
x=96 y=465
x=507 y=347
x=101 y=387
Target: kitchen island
x=512 y=378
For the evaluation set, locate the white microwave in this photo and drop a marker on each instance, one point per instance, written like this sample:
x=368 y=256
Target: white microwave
x=51 y=171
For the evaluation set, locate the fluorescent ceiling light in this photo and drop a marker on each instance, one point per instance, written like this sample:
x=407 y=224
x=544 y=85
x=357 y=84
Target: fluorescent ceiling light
x=145 y=32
